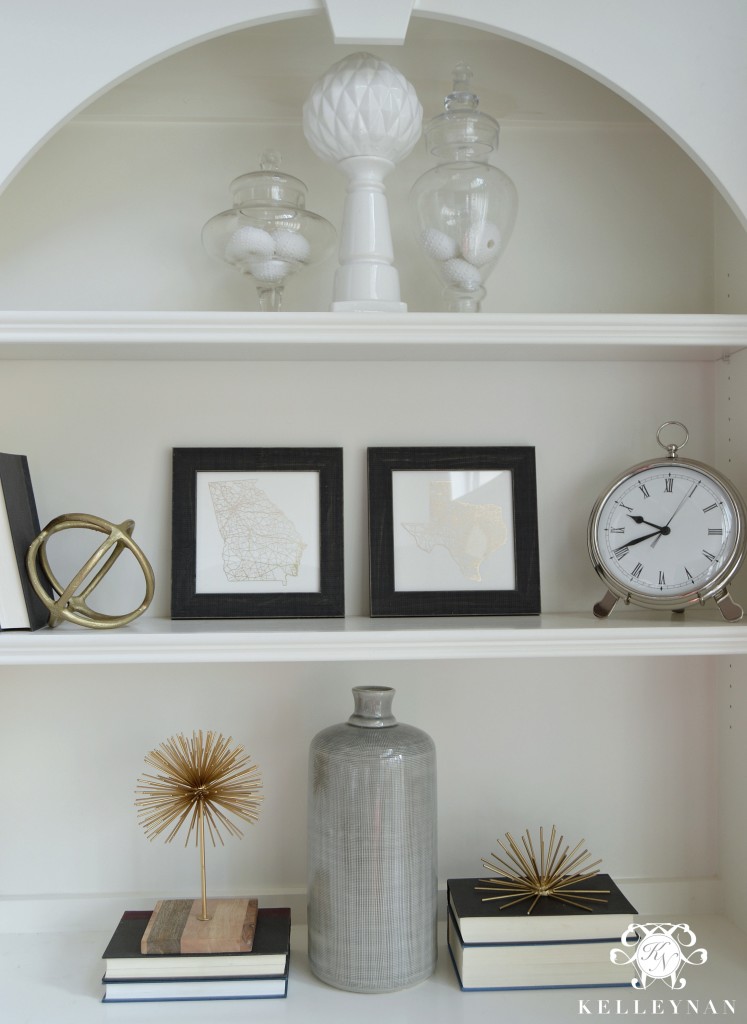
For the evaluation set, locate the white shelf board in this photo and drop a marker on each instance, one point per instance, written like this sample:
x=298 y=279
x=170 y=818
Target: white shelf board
x=161 y=641
x=192 y=335
x=57 y=977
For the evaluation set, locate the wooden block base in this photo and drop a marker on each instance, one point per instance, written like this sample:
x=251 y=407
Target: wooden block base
x=175 y=927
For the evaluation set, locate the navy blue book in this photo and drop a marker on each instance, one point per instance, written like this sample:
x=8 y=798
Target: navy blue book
x=190 y=989
x=581 y=963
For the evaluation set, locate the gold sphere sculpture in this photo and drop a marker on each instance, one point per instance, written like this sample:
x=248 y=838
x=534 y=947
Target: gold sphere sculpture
x=64 y=602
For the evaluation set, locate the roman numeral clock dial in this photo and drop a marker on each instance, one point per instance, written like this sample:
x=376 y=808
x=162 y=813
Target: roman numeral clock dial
x=668 y=534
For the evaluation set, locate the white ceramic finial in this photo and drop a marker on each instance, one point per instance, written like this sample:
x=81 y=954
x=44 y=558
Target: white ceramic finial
x=365 y=116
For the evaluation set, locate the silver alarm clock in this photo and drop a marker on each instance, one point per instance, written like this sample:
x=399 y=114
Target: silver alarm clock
x=667 y=534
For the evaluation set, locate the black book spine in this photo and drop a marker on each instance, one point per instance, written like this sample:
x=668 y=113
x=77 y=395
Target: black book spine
x=24 y=527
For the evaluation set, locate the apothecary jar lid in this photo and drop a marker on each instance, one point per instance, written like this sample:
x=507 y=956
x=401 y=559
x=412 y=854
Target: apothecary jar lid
x=462 y=132
x=268 y=185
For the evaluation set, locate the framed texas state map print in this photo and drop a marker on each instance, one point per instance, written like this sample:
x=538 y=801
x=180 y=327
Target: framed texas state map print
x=257 y=533
x=453 y=531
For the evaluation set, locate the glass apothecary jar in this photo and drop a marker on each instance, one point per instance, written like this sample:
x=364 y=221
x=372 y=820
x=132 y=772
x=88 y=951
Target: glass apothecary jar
x=268 y=234
x=464 y=208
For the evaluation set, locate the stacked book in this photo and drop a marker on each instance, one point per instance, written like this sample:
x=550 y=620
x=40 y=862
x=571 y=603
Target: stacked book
x=133 y=976
x=556 y=946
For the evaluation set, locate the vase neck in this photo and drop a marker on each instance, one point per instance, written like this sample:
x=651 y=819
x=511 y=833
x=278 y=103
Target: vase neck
x=373 y=707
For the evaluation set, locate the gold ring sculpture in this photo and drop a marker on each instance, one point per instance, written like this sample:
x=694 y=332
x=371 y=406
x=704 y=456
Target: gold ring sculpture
x=69 y=604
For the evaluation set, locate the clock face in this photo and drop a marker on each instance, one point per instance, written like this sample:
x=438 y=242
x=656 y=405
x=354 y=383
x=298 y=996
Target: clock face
x=666 y=530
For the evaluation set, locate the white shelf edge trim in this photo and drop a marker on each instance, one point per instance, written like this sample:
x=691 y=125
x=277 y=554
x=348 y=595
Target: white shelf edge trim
x=220 y=335
x=159 y=641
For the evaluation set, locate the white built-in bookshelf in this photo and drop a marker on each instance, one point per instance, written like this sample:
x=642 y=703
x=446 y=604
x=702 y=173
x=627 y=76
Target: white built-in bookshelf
x=619 y=305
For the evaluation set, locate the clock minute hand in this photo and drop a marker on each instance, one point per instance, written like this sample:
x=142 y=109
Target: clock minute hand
x=639 y=540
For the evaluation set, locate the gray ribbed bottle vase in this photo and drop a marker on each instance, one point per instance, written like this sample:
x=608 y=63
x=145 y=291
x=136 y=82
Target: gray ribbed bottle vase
x=372 y=870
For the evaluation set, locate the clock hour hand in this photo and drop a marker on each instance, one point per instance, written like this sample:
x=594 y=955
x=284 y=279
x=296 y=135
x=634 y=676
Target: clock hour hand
x=640 y=519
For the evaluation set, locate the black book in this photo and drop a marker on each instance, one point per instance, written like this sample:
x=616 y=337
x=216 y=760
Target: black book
x=268 y=958
x=480 y=921
x=20 y=608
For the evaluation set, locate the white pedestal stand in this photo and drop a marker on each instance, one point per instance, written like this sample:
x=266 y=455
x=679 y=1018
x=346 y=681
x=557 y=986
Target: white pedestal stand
x=366 y=280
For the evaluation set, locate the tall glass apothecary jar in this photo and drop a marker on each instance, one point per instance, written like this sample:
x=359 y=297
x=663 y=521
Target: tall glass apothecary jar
x=464 y=208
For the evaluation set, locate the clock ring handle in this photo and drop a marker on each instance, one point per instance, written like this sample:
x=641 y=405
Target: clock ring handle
x=672 y=449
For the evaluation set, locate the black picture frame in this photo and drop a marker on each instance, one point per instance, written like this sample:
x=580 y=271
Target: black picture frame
x=199 y=528
x=397 y=475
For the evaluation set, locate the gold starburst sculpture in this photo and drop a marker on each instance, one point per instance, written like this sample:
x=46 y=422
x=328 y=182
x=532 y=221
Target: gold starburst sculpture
x=200 y=781
x=557 y=873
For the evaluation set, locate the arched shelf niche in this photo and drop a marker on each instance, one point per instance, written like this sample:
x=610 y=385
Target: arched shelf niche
x=648 y=59
x=614 y=217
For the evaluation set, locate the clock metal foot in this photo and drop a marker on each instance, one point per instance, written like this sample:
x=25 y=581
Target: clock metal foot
x=604 y=607
x=728 y=607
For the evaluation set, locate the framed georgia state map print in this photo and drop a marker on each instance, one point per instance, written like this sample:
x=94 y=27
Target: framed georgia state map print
x=453 y=531
x=257 y=533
